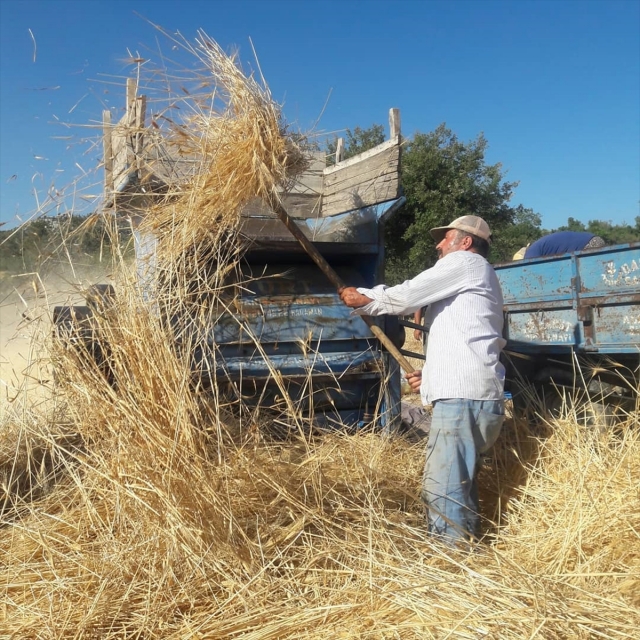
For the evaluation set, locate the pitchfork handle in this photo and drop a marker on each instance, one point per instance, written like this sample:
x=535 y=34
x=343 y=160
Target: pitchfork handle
x=334 y=278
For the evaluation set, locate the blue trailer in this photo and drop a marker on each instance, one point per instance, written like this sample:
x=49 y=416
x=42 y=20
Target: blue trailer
x=285 y=340
x=572 y=323
x=292 y=340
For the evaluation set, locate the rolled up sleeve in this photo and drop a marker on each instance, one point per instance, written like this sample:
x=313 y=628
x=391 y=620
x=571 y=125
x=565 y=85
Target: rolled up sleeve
x=445 y=279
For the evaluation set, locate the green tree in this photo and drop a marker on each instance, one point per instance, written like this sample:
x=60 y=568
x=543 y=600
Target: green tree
x=512 y=237
x=47 y=241
x=444 y=178
x=609 y=232
x=572 y=225
x=24 y=248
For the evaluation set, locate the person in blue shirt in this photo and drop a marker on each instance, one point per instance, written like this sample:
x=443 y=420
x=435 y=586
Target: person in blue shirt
x=563 y=242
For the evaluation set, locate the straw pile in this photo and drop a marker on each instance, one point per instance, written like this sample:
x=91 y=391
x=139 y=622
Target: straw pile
x=159 y=511
x=238 y=141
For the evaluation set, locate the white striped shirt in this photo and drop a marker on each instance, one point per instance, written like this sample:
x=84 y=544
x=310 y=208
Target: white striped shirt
x=465 y=316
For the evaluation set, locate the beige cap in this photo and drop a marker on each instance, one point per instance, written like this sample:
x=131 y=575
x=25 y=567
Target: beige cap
x=471 y=224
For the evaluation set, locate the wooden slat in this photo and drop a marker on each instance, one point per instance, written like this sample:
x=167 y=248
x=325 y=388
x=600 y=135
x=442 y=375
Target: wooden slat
x=117 y=149
x=371 y=180
x=385 y=182
x=361 y=197
x=339 y=150
x=299 y=205
x=120 y=152
x=141 y=112
x=302 y=205
x=394 y=122
x=132 y=90
x=310 y=182
x=393 y=142
x=369 y=169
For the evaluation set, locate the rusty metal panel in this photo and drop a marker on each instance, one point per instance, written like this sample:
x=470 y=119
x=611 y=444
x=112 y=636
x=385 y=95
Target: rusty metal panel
x=271 y=319
x=286 y=327
x=558 y=327
x=616 y=328
x=334 y=364
x=536 y=281
x=606 y=329
x=613 y=270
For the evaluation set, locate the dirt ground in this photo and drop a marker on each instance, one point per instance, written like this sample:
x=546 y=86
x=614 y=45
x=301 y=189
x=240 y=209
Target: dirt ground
x=26 y=308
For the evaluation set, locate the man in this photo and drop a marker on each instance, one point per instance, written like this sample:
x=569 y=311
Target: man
x=554 y=244
x=462 y=376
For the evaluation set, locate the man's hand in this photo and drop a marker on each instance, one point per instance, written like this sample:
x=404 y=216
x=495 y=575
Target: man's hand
x=415 y=380
x=351 y=297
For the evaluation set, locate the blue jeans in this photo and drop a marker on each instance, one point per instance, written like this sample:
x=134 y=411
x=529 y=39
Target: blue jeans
x=461 y=430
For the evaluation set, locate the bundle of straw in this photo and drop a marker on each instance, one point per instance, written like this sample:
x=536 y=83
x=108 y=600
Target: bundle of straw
x=236 y=135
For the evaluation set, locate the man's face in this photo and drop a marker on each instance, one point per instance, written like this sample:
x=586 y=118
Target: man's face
x=450 y=243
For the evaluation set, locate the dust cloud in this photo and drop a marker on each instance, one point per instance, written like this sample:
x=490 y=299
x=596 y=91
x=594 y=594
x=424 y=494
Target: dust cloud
x=26 y=311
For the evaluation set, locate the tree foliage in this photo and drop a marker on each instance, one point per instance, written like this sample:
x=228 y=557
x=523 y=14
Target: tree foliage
x=444 y=178
x=510 y=238
x=610 y=233
x=44 y=241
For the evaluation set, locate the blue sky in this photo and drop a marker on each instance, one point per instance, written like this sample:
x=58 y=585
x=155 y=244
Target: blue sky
x=553 y=85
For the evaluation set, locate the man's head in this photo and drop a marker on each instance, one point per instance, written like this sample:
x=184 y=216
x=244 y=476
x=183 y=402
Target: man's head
x=467 y=233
